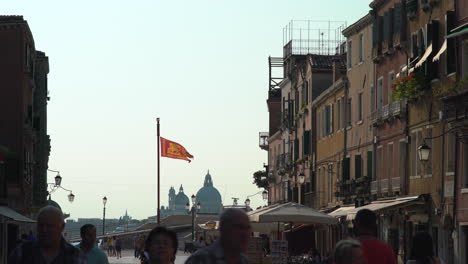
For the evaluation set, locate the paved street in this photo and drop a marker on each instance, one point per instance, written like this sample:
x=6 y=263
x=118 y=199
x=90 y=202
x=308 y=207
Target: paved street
x=127 y=258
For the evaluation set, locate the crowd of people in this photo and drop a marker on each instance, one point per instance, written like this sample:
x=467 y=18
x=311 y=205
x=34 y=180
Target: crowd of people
x=161 y=244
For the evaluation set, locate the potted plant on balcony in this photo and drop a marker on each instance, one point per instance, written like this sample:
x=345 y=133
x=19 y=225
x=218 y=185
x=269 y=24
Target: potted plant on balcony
x=409 y=87
x=452 y=88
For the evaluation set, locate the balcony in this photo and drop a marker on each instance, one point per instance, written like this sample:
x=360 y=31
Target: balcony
x=263 y=140
x=373 y=187
x=385 y=112
x=397 y=108
x=396 y=184
x=384 y=185
x=376 y=117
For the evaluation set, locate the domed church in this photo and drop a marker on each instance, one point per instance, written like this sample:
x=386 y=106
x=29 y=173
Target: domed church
x=209 y=198
x=176 y=203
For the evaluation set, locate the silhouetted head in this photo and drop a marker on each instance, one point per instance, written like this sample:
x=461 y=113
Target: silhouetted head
x=365 y=223
x=88 y=235
x=235 y=229
x=161 y=245
x=50 y=226
x=348 y=251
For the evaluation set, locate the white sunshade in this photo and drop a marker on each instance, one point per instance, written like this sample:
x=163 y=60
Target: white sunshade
x=10 y=213
x=424 y=57
x=442 y=50
x=290 y=212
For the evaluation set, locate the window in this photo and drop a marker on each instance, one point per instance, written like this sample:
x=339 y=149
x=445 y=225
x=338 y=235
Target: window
x=416 y=166
x=360 y=107
x=361 y=44
x=450 y=154
x=330 y=119
x=450 y=23
x=465 y=166
x=372 y=99
x=391 y=80
x=464 y=58
x=357 y=166
x=349 y=112
x=390 y=161
x=379 y=93
x=350 y=55
x=338 y=104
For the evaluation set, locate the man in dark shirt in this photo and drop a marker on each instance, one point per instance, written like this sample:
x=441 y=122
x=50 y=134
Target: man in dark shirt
x=50 y=247
x=374 y=250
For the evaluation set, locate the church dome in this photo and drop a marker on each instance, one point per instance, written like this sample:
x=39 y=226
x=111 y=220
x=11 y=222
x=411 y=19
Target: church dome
x=181 y=200
x=209 y=198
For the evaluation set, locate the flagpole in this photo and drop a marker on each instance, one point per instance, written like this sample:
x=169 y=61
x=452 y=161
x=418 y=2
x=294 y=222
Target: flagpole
x=158 y=210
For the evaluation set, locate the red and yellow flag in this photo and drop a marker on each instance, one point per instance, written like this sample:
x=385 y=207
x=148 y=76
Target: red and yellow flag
x=173 y=150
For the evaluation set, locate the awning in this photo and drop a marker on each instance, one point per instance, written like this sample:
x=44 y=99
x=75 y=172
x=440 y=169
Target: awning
x=442 y=50
x=375 y=206
x=10 y=213
x=411 y=70
x=290 y=212
x=458 y=32
x=424 y=57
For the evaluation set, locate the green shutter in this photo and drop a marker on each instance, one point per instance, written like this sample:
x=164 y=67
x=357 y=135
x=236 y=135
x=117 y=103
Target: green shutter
x=306 y=140
x=296 y=149
x=397 y=18
x=386 y=28
x=357 y=166
x=369 y=165
x=412 y=6
x=345 y=169
x=375 y=32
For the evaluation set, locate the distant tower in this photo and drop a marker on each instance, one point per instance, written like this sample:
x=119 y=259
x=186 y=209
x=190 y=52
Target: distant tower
x=172 y=196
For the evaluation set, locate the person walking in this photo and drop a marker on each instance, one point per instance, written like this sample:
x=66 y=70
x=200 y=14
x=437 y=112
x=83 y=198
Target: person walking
x=89 y=247
x=160 y=247
x=348 y=251
x=118 y=247
x=50 y=247
x=235 y=231
x=422 y=250
x=374 y=250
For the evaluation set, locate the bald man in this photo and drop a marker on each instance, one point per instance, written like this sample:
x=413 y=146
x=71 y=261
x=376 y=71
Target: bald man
x=50 y=247
x=235 y=231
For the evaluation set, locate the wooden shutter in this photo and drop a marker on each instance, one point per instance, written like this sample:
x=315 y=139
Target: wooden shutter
x=369 y=165
x=306 y=140
x=397 y=17
x=357 y=166
x=386 y=27
x=375 y=32
x=345 y=170
x=296 y=149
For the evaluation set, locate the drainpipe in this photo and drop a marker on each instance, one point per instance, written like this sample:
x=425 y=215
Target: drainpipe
x=455 y=188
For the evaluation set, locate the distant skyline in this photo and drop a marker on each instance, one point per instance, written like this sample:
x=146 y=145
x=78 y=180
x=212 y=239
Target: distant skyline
x=201 y=66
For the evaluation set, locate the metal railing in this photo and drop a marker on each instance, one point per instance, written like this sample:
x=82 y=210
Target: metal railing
x=396 y=184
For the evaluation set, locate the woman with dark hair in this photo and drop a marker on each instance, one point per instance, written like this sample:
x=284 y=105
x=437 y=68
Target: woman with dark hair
x=422 y=251
x=160 y=246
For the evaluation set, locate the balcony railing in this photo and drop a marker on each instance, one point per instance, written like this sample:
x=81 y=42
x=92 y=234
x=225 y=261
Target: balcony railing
x=376 y=116
x=385 y=112
x=263 y=140
x=373 y=187
x=397 y=108
x=384 y=185
x=396 y=184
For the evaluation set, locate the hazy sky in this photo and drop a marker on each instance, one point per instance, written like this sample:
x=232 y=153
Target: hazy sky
x=201 y=66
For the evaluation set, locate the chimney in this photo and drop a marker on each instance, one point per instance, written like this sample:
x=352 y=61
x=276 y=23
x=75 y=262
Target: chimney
x=337 y=68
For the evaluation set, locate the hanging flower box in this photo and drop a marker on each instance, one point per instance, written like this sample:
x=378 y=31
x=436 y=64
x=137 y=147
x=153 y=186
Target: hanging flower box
x=409 y=87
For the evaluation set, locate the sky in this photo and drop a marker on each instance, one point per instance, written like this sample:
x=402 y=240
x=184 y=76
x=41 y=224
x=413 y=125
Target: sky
x=200 y=66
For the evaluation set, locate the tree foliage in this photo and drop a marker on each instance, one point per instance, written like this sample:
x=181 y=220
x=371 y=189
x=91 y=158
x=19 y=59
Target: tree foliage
x=260 y=179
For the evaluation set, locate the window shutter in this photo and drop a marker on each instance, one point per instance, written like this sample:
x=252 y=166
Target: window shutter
x=386 y=26
x=380 y=22
x=331 y=119
x=296 y=149
x=369 y=165
x=306 y=147
x=345 y=169
x=397 y=17
x=375 y=32
x=451 y=51
x=357 y=166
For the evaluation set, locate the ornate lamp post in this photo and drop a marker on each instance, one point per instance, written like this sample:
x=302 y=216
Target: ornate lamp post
x=104 y=201
x=193 y=210
x=300 y=181
x=423 y=152
x=58 y=185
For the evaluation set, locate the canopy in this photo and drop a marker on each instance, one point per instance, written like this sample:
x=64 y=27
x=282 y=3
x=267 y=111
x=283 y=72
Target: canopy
x=290 y=212
x=424 y=57
x=462 y=30
x=442 y=50
x=11 y=214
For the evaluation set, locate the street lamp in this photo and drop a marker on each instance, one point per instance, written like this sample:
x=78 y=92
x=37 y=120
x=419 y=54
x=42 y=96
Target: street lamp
x=104 y=201
x=423 y=152
x=58 y=185
x=300 y=180
x=265 y=195
x=193 y=209
x=247 y=202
